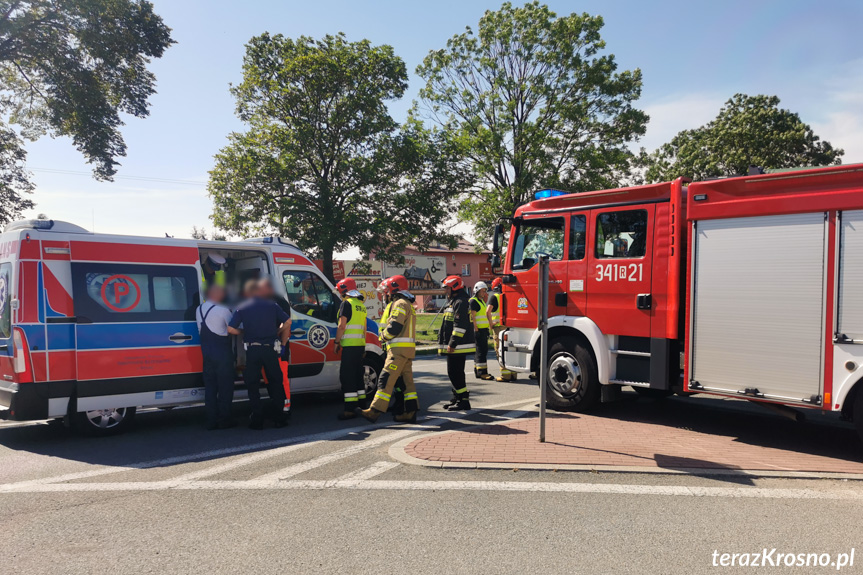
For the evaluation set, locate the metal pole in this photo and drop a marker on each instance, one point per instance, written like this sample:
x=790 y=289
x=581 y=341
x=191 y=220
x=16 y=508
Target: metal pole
x=542 y=308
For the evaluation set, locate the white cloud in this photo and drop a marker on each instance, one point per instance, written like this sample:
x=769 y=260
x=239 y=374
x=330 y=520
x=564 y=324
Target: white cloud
x=678 y=112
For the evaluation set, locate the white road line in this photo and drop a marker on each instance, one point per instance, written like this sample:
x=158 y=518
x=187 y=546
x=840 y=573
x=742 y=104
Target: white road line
x=229 y=451
x=495 y=486
x=360 y=446
x=243 y=461
x=366 y=473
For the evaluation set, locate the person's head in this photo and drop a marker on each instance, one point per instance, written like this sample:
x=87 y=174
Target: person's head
x=250 y=288
x=393 y=285
x=452 y=285
x=214 y=262
x=307 y=285
x=215 y=294
x=346 y=285
x=497 y=284
x=265 y=288
x=480 y=290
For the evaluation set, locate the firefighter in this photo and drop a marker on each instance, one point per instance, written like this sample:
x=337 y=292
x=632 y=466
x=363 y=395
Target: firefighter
x=351 y=342
x=495 y=301
x=456 y=340
x=397 y=402
x=479 y=319
x=399 y=335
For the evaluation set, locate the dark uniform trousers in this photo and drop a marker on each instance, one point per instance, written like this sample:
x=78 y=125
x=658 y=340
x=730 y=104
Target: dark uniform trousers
x=264 y=357
x=351 y=373
x=455 y=363
x=480 y=359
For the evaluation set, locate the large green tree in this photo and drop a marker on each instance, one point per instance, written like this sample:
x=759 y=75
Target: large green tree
x=70 y=68
x=533 y=101
x=322 y=162
x=749 y=131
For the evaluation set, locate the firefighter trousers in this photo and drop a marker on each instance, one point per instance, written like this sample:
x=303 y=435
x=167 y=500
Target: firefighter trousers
x=351 y=376
x=504 y=373
x=455 y=363
x=480 y=358
x=399 y=364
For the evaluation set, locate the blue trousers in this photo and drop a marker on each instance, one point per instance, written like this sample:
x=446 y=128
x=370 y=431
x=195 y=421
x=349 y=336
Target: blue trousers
x=218 y=388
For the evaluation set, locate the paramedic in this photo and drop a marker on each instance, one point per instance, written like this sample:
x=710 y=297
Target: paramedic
x=264 y=323
x=268 y=292
x=213 y=319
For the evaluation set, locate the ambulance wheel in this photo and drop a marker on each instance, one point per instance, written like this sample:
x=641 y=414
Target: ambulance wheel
x=104 y=421
x=373 y=364
x=572 y=381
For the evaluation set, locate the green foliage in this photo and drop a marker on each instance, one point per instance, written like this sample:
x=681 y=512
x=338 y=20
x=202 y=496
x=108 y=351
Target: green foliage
x=532 y=102
x=69 y=68
x=322 y=161
x=749 y=131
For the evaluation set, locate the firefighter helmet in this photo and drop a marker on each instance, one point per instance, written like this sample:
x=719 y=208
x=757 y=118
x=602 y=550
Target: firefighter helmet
x=479 y=286
x=496 y=283
x=394 y=284
x=454 y=282
x=346 y=285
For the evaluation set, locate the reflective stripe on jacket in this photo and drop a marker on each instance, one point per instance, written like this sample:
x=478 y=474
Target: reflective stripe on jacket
x=355 y=330
x=401 y=313
x=481 y=318
x=457 y=330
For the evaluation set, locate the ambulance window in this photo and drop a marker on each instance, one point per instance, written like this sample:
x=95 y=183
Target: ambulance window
x=621 y=234
x=308 y=294
x=535 y=237
x=5 y=300
x=113 y=292
x=577 y=237
x=169 y=293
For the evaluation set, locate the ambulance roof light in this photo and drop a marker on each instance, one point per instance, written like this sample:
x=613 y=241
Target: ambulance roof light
x=548 y=194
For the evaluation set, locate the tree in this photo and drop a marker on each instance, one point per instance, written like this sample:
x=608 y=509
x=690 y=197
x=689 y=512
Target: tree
x=322 y=161
x=69 y=68
x=749 y=131
x=202 y=234
x=533 y=103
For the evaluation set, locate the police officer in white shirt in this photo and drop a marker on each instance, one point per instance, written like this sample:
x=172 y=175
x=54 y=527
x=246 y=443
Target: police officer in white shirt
x=213 y=319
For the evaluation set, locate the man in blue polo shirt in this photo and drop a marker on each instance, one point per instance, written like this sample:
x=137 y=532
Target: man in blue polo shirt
x=263 y=324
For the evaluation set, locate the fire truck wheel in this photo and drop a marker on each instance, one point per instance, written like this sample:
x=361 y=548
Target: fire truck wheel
x=653 y=393
x=858 y=412
x=573 y=383
x=104 y=421
x=372 y=366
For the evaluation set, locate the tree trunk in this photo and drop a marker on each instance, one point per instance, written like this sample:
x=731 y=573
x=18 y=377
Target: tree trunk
x=327 y=256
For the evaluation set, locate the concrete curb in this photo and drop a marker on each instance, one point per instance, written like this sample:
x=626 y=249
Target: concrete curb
x=398 y=453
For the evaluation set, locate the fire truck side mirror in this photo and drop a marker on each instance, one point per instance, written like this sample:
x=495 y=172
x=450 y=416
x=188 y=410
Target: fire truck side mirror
x=494 y=259
x=495 y=244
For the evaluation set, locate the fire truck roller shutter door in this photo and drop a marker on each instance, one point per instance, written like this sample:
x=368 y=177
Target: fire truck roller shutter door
x=757 y=309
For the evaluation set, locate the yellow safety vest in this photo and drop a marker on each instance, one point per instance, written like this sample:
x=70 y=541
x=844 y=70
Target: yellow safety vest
x=495 y=315
x=401 y=311
x=218 y=276
x=355 y=330
x=481 y=318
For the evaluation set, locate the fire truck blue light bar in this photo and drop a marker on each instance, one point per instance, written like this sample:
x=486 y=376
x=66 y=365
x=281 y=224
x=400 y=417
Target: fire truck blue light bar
x=548 y=194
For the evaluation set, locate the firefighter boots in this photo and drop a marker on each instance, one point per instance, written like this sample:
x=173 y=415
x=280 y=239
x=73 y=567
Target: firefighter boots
x=406 y=417
x=371 y=414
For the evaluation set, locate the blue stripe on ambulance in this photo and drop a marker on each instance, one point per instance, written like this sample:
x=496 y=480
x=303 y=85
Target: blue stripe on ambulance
x=132 y=335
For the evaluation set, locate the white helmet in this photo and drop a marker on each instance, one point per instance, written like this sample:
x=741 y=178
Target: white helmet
x=478 y=287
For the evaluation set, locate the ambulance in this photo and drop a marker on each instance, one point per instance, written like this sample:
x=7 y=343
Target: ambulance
x=96 y=326
x=746 y=287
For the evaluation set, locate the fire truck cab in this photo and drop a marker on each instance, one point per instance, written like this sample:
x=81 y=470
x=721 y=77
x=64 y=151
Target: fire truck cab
x=94 y=326
x=744 y=287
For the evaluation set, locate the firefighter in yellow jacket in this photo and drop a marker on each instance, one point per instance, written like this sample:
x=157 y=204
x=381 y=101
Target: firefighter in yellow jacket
x=399 y=335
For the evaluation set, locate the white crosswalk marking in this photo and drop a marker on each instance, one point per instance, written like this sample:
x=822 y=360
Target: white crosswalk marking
x=368 y=472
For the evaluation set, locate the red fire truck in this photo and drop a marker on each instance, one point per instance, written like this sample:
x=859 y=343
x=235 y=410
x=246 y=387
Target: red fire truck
x=748 y=287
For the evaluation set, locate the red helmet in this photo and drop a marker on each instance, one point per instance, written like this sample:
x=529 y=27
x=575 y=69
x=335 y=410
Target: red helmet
x=454 y=282
x=393 y=284
x=346 y=285
x=496 y=283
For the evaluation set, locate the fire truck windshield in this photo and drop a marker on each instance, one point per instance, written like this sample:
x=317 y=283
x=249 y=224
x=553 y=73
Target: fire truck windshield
x=536 y=237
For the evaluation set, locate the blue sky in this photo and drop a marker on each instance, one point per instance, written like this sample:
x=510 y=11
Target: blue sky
x=693 y=55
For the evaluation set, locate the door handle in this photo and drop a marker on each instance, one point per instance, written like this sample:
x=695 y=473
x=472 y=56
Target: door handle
x=560 y=299
x=643 y=301
x=178 y=337
x=298 y=332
